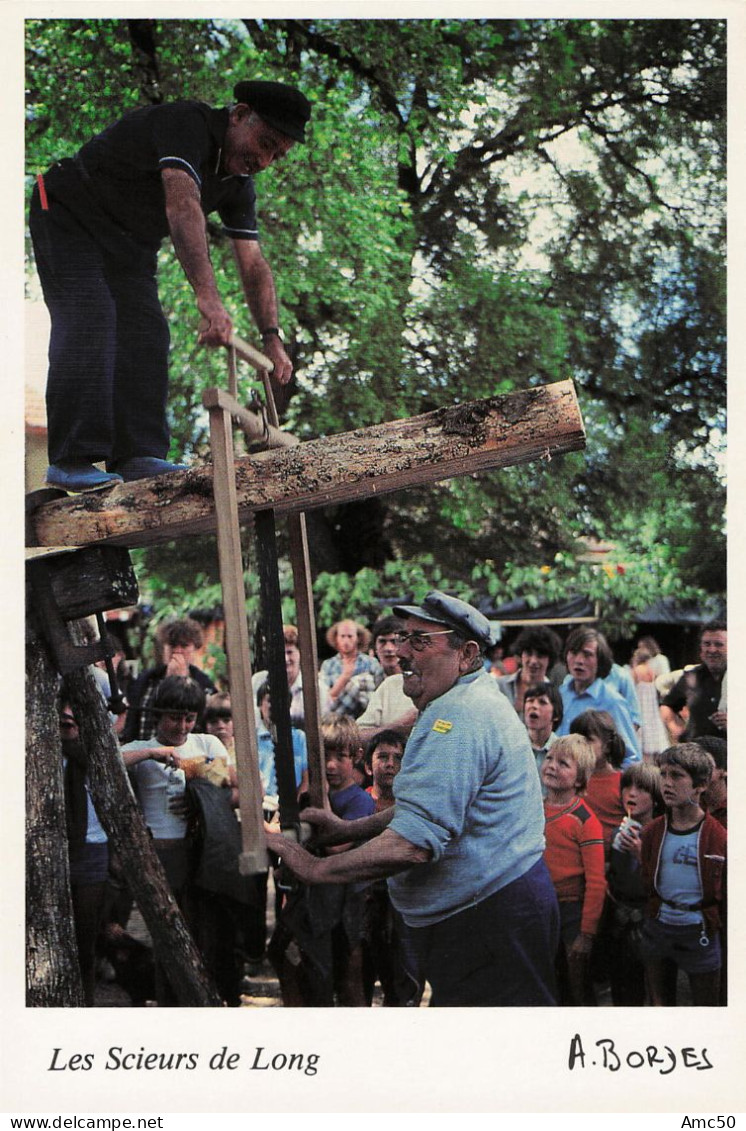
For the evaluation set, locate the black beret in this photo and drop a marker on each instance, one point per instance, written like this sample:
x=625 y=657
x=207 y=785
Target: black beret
x=280 y=106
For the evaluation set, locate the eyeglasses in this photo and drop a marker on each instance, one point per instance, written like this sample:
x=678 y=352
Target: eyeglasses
x=420 y=640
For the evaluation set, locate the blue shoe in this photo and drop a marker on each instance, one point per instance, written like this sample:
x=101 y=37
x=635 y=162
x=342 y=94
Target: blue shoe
x=144 y=467
x=79 y=475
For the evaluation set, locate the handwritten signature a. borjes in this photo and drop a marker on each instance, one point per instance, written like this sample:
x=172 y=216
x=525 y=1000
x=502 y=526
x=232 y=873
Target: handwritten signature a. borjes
x=607 y=1054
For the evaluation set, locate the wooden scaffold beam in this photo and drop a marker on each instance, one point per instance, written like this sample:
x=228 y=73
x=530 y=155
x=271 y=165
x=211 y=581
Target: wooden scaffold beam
x=475 y=436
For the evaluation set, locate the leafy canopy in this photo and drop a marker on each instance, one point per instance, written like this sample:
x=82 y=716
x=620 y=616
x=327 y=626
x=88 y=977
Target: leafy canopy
x=483 y=205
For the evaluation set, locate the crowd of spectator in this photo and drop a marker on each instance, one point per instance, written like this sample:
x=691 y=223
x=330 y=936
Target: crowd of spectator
x=631 y=761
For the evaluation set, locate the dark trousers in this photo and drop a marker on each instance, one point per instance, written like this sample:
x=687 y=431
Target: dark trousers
x=387 y=952
x=88 y=908
x=108 y=351
x=618 y=946
x=497 y=952
x=89 y=865
x=316 y=948
x=176 y=857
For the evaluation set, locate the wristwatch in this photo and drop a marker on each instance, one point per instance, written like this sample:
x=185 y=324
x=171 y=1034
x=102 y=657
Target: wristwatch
x=272 y=331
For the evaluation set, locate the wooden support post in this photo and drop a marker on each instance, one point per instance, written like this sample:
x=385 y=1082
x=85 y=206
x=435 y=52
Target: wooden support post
x=254 y=857
x=53 y=976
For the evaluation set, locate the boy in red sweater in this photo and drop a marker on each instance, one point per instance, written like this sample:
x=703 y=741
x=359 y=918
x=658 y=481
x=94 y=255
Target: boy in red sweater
x=683 y=866
x=574 y=854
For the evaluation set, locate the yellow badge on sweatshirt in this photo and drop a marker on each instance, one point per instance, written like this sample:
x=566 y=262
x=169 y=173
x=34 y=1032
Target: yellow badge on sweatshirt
x=440 y=726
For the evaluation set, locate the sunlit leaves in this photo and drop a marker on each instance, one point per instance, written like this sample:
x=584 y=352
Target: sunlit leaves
x=482 y=205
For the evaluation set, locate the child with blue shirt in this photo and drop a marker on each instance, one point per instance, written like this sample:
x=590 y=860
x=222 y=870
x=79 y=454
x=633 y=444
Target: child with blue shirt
x=342 y=748
x=317 y=949
x=266 y=744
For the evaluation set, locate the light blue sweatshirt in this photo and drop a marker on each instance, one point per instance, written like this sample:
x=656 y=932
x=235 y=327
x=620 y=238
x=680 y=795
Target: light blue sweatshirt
x=468 y=790
x=600 y=696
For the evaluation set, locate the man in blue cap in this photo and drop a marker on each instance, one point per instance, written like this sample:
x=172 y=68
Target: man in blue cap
x=97 y=221
x=463 y=844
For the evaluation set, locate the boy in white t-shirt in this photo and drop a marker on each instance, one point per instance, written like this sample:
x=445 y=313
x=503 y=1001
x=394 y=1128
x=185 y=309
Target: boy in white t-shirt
x=157 y=767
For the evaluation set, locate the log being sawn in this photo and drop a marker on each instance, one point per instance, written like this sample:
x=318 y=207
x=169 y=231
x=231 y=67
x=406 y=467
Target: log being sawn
x=475 y=436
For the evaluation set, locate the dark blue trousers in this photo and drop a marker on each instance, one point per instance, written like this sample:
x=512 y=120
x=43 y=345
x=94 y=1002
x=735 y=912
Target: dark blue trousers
x=108 y=352
x=497 y=952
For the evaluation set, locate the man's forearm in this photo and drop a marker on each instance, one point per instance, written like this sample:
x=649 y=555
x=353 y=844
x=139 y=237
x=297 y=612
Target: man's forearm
x=186 y=224
x=363 y=828
x=385 y=855
x=259 y=287
x=191 y=251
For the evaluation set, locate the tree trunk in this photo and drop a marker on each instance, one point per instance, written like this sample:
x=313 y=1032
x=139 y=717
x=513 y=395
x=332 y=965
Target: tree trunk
x=491 y=433
x=52 y=970
x=129 y=837
x=145 y=58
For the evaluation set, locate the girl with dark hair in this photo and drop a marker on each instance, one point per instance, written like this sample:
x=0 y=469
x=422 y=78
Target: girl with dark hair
x=603 y=789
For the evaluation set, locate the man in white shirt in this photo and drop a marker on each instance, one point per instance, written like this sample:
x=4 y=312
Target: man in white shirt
x=388 y=706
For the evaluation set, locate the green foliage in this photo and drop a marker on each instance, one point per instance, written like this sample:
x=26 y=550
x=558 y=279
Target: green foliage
x=483 y=205
x=369 y=594
x=620 y=589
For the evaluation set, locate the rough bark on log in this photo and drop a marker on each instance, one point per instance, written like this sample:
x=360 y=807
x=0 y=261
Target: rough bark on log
x=52 y=970
x=121 y=817
x=491 y=433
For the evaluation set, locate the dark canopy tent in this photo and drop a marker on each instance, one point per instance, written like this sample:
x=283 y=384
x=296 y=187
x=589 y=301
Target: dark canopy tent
x=578 y=608
x=518 y=611
x=670 y=611
x=673 y=623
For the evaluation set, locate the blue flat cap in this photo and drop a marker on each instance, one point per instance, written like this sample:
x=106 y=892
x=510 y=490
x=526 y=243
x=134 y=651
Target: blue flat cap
x=441 y=609
x=281 y=106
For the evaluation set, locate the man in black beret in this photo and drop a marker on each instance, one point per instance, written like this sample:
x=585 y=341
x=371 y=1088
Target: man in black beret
x=97 y=221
